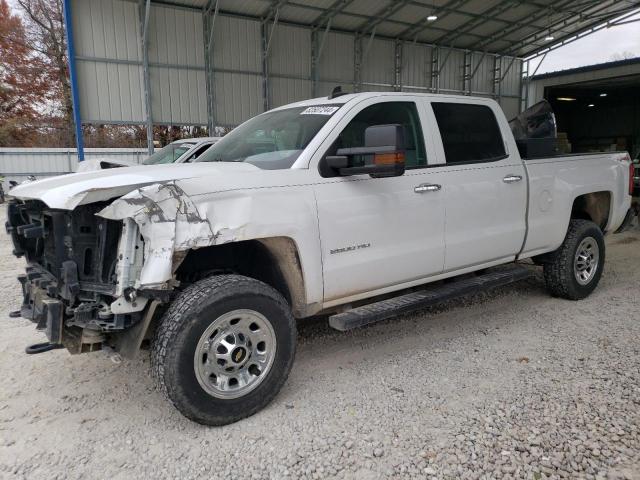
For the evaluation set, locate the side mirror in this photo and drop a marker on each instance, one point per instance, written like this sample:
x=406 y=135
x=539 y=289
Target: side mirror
x=383 y=154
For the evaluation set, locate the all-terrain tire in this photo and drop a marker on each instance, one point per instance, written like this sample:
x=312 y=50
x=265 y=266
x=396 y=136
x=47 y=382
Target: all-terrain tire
x=560 y=268
x=181 y=329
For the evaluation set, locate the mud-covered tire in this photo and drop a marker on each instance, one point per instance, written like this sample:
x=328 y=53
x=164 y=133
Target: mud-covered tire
x=560 y=271
x=179 y=336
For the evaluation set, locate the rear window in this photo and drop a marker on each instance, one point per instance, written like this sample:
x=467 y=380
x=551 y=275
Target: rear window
x=470 y=133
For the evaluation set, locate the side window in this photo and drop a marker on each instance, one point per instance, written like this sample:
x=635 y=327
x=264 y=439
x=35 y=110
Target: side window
x=403 y=113
x=470 y=133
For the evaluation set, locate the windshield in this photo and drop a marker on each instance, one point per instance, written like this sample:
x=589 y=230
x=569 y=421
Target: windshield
x=273 y=140
x=168 y=154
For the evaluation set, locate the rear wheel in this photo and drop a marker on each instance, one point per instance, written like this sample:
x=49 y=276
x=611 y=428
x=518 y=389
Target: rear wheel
x=224 y=349
x=574 y=270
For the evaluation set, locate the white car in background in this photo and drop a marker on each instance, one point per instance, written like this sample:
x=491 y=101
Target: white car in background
x=180 y=151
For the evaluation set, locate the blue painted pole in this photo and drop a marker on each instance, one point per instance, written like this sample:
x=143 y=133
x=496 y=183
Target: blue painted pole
x=73 y=78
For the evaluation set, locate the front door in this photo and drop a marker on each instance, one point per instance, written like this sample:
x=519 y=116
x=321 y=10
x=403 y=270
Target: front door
x=378 y=233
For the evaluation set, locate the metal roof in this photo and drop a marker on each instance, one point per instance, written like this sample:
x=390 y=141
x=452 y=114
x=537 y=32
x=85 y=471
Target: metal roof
x=506 y=27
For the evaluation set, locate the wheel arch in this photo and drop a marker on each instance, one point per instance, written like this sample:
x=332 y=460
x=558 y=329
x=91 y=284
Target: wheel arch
x=593 y=206
x=274 y=261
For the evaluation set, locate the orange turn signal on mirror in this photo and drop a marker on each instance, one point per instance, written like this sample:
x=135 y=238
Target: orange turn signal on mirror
x=388 y=158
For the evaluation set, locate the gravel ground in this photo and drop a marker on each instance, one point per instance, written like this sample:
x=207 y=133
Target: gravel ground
x=511 y=384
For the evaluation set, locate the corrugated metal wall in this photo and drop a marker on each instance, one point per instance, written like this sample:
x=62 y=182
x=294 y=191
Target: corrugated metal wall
x=109 y=61
x=237 y=65
x=110 y=68
x=112 y=83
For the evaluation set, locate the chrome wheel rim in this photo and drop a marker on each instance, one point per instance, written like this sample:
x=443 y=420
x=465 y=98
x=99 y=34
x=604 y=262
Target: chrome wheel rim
x=235 y=354
x=585 y=264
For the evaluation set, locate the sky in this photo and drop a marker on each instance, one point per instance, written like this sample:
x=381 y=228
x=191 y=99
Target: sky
x=599 y=47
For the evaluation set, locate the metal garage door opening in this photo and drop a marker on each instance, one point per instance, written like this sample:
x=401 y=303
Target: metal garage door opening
x=599 y=115
x=597 y=108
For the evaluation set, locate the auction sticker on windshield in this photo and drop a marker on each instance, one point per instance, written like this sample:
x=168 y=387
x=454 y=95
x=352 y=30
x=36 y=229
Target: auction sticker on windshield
x=320 y=110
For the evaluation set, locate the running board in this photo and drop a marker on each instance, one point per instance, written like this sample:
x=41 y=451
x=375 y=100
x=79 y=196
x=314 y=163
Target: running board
x=391 y=307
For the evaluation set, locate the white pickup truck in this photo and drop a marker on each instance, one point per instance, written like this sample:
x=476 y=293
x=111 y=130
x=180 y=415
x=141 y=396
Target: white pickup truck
x=346 y=206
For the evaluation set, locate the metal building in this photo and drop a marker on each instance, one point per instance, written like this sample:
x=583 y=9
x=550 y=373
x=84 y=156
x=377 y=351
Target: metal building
x=218 y=62
x=597 y=107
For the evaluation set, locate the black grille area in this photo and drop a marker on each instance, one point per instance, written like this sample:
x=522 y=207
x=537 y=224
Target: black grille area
x=75 y=247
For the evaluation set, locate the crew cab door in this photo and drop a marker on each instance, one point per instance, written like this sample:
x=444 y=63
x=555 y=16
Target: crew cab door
x=484 y=185
x=379 y=233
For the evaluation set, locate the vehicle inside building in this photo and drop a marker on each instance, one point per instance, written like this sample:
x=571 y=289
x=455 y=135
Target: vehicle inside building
x=597 y=115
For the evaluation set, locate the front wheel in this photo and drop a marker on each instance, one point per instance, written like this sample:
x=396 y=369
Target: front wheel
x=574 y=270
x=224 y=349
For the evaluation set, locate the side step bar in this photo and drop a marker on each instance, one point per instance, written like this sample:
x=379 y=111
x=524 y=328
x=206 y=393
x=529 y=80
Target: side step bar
x=375 y=312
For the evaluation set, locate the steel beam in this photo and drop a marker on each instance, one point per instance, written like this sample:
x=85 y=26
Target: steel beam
x=497 y=77
x=264 y=40
x=357 y=63
x=144 y=8
x=573 y=37
x=435 y=69
x=315 y=58
x=397 y=66
x=381 y=15
x=504 y=75
x=317 y=46
x=469 y=25
x=266 y=35
x=524 y=86
x=557 y=25
x=502 y=33
x=328 y=14
x=73 y=78
x=475 y=70
x=466 y=72
x=208 y=22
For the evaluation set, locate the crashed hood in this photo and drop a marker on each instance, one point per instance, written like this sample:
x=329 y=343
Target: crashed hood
x=68 y=191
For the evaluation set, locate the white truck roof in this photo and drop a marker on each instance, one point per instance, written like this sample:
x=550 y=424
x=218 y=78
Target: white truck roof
x=344 y=98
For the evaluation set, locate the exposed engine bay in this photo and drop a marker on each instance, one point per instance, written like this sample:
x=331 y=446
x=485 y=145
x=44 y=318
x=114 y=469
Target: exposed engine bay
x=71 y=279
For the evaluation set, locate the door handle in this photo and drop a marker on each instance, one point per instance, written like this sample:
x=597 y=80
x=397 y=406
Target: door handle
x=512 y=178
x=427 y=187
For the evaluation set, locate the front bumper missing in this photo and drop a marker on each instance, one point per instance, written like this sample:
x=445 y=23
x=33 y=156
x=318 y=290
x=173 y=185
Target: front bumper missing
x=48 y=313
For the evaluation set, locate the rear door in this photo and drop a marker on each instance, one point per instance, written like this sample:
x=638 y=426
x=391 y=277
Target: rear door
x=485 y=186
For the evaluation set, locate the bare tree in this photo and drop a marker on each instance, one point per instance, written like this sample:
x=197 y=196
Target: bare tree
x=44 y=25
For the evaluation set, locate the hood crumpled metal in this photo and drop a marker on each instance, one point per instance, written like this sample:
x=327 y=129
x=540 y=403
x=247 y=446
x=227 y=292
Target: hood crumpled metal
x=168 y=221
x=68 y=191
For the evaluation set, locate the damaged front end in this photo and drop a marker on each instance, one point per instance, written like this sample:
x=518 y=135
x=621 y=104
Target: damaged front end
x=70 y=280
x=93 y=271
